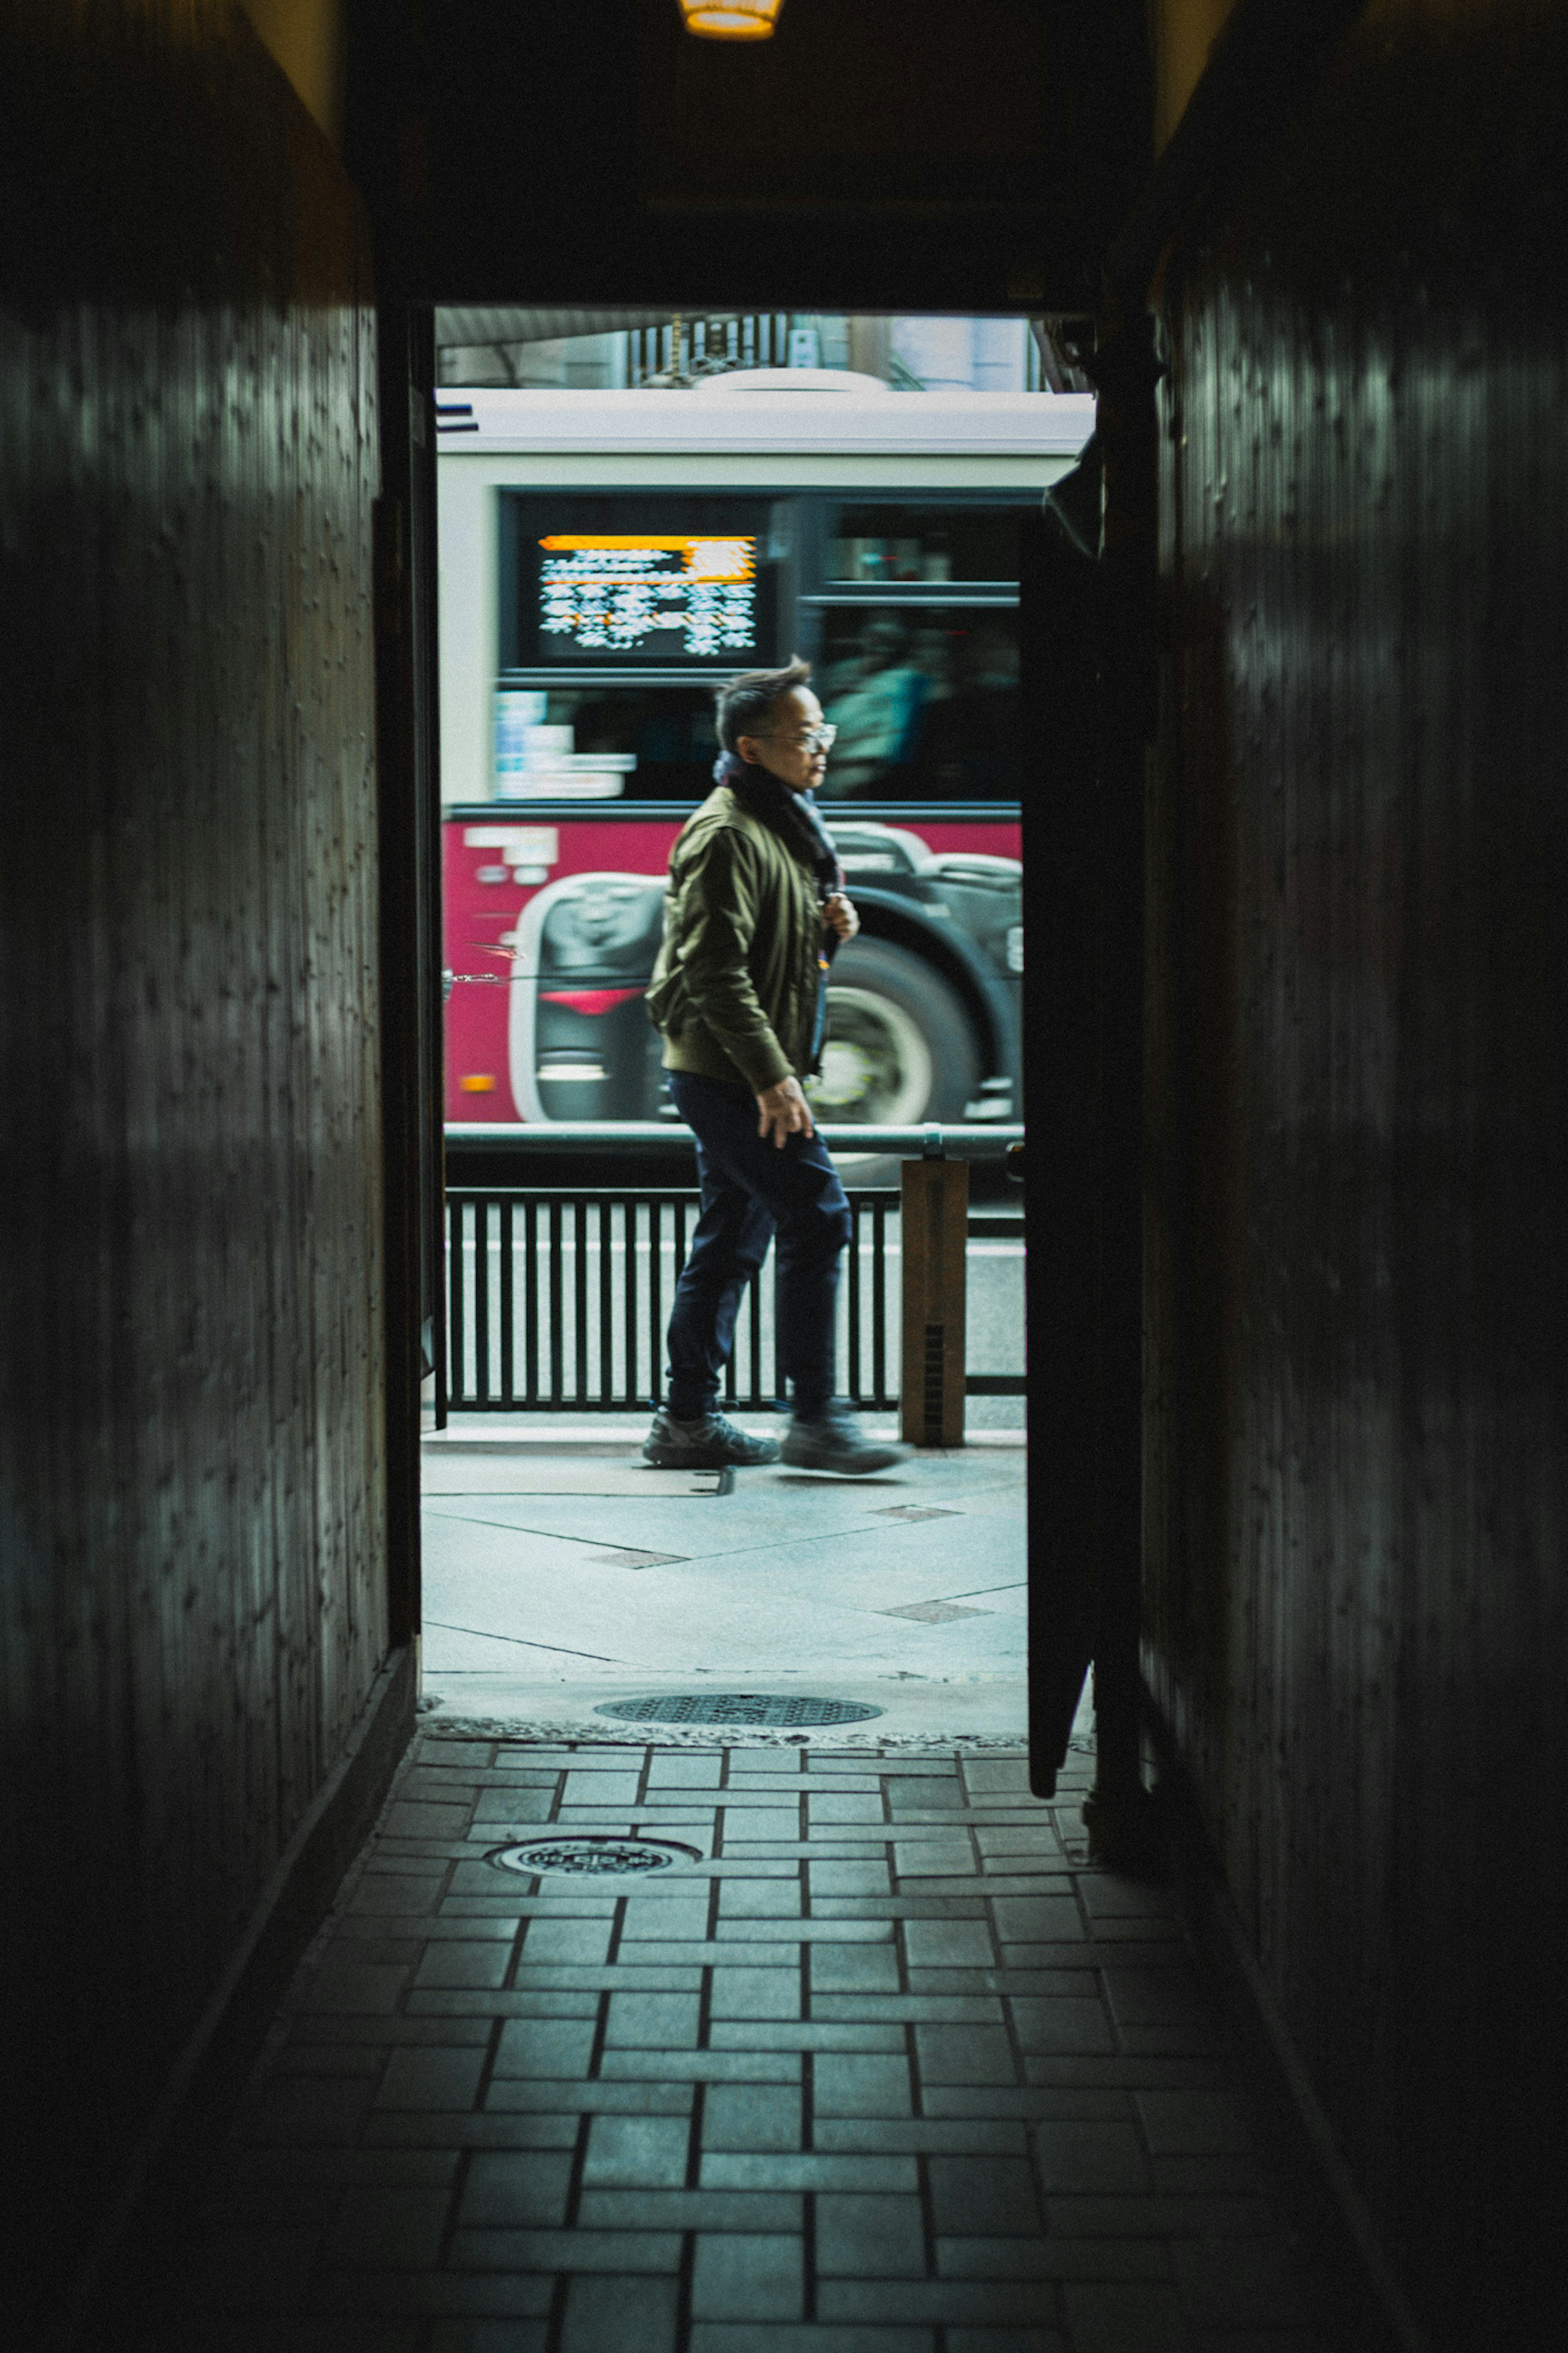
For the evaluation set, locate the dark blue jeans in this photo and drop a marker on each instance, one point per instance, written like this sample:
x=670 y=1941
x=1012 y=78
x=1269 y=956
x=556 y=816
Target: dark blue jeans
x=753 y=1193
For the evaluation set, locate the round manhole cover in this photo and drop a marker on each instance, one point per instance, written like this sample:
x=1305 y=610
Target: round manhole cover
x=591 y=1856
x=737 y=1707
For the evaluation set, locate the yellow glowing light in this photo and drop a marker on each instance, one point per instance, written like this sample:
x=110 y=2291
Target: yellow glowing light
x=706 y=559
x=477 y=1082
x=731 y=20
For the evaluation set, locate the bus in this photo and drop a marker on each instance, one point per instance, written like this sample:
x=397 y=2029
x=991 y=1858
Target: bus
x=606 y=558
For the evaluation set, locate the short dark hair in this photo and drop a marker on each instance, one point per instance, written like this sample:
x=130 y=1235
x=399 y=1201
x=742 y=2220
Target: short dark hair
x=744 y=704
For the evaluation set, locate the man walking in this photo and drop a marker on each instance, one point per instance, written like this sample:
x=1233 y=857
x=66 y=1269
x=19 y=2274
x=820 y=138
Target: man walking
x=753 y=912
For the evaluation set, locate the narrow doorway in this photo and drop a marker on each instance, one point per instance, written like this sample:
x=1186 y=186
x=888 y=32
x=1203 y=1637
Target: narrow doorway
x=633 y=507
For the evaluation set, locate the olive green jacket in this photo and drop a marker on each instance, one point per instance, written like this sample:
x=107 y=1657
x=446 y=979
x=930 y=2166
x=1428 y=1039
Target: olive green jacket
x=734 y=989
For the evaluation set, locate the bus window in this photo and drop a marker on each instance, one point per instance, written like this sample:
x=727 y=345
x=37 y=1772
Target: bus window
x=656 y=742
x=925 y=542
x=925 y=700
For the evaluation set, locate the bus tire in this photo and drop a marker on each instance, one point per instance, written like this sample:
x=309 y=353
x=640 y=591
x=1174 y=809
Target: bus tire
x=900 y=1047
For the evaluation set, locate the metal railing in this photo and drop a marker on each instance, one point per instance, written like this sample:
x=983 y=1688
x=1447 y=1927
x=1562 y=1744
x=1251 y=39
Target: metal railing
x=557 y=1297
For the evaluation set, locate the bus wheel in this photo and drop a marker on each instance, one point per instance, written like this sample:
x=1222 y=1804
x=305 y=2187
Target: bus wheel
x=899 y=1049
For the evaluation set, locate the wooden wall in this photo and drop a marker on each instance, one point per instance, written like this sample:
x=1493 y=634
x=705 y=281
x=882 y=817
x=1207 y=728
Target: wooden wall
x=191 y=1331
x=1357 y=1444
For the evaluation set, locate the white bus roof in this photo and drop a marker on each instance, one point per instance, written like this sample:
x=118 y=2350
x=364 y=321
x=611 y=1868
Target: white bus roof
x=811 y=421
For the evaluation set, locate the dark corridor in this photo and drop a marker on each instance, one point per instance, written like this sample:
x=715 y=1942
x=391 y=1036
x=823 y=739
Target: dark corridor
x=1298 y=868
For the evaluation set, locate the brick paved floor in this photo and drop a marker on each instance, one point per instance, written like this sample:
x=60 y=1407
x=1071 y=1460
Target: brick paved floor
x=890 y=2069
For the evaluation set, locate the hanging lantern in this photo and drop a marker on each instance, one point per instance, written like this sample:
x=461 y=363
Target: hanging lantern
x=731 y=20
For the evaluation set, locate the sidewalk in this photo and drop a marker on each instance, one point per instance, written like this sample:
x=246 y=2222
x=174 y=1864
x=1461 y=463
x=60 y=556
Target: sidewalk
x=560 y=1580
x=880 y=2066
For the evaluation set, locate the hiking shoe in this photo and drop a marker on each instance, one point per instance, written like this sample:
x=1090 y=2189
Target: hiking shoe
x=709 y=1444
x=831 y=1441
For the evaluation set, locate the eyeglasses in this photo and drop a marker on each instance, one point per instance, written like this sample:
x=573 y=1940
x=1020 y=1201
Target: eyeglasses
x=815 y=739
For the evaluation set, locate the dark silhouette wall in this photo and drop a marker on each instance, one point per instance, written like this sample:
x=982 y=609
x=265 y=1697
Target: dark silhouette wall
x=1357 y=1444
x=192 y=1350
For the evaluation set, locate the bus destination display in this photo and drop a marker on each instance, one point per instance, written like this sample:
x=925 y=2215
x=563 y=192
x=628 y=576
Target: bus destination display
x=680 y=595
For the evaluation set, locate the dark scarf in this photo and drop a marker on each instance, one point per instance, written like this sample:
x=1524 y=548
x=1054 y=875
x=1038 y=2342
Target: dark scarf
x=793 y=816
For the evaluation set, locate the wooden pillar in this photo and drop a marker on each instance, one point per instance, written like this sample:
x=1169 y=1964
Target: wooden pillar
x=935 y=1234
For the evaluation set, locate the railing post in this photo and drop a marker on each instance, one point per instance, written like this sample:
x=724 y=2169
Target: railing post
x=934 y=1223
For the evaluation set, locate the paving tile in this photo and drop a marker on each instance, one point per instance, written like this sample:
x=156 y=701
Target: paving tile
x=1043 y=1984
x=998 y=1773
x=932 y=1858
x=389 y=2225
x=466 y=1965
x=806 y=2337
x=540 y=2251
x=556 y=1942
x=607 y=1786
x=747 y=1824
x=849 y=1879
x=410 y=1819
x=750 y=1954
x=653 y=2021
x=619 y=2316
x=854 y=1968
x=744 y=2275
x=912 y=1791
x=516 y=2189
x=1069 y=2024
x=1193 y=2124
x=1037 y=1919
x=963 y=2054
x=667 y=1918
x=750 y=2117
x=546 y=2046
x=869 y=2237
x=436 y=2018
x=910 y=2009
x=975 y=2196
x=516 y=2003
x=629 y=2152
x=760 y=1994
x=948 y=1944
x=600 y=2096
x=1084 y=2157
x=1030 y=2256
x=427 y=2078
x=690 y=2210
x=825 y=1806
x=759 y=1899
x=775 y=2169
x=1104 y=2316
x=671 y=1771
x=877 y=1930
x=805 y=2034
x=701 y=2066
x=498 y=1808
x=854 y=2084
x=952 y=2302
x=949 y=2136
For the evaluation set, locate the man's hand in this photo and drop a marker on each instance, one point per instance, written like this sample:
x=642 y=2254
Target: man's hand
x=784 y=1112
x=838 y=915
